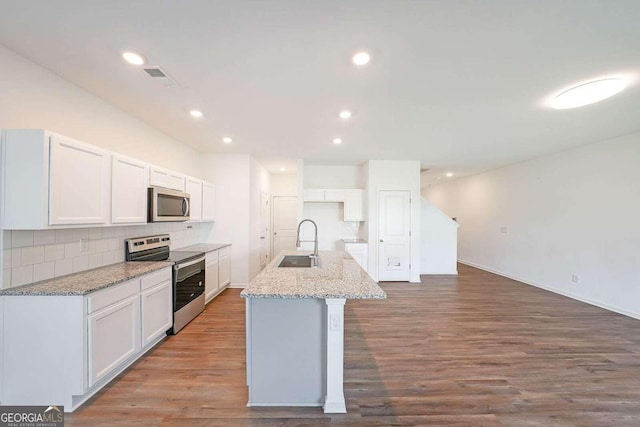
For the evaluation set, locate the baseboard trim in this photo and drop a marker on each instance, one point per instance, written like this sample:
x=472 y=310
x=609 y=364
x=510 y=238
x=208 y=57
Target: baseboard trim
x=440 y=273
x=555 y=291
x=237 y=285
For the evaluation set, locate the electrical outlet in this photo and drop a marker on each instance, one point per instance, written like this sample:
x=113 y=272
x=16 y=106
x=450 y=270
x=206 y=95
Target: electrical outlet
x=575 y=278
x=334 y=322
x=84 y=245
x=503 y=230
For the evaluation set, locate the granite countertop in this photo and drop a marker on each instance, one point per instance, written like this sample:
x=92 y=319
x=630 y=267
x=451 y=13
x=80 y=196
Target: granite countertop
x=88 y=281
x=354 y=241
x=339 y=276
x=205 y=247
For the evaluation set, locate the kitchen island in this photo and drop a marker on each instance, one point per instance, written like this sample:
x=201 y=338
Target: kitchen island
x=295 y=330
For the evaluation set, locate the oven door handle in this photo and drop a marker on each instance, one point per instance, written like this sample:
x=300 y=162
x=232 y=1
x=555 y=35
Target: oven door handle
x=179 y=266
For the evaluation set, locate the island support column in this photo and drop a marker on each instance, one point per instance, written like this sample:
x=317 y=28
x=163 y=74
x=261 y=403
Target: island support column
x=334 y=402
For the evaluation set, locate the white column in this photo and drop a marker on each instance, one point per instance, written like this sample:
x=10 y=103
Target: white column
x=334 y=401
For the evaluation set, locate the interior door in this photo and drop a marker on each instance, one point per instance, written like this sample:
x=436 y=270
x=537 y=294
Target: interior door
x=285 y=224
x=394 y=235
x=264 y=229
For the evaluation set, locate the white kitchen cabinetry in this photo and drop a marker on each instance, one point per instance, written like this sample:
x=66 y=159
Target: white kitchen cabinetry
x=53 y=181
x=164 y=178
x=324 y=195
x=64 y=348
x=208 y=201
x=193 y=187
x=359 y=252
x=224 y=265
x=79 y=182
x=354 y=205
x=156 y=306
x=353 y=199
x=129 y=182
x=113 y=336
x=211 y=276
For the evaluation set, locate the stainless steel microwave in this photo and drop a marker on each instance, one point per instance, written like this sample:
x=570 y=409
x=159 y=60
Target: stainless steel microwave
x=168 y=205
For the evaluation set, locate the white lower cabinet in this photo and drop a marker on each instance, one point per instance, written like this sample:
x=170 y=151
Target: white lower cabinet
x=211 y=282
x=224 y=265
x=359 y=252
x=156 y=307
x=113 y=337
x=62 y=349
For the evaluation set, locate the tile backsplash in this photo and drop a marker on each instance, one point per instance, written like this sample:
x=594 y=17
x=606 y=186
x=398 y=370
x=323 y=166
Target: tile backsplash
x=33 y=255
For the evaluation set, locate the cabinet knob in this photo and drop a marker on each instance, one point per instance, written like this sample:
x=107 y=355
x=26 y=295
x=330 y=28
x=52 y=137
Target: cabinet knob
x=381 y=241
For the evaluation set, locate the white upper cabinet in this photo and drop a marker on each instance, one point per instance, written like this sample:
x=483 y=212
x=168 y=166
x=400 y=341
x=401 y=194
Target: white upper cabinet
x=79 y=182
x=353 y=199
x=208 y=202
x=354 y=205
x=194 y=188
x=129 y=179
x=159 y=177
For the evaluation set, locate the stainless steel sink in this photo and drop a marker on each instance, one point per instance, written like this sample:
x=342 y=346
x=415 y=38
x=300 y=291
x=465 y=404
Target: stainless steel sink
x=297 y=261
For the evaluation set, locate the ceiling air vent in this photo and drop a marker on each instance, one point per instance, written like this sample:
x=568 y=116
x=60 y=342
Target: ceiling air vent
x=160 y=75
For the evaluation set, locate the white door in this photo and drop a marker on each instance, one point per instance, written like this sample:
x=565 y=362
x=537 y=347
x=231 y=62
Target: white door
x=285 y=224
x=78 y=180
x=156 y=305
x=193 y=187
x=264 y=229
x=394 y=235
x=128 y=190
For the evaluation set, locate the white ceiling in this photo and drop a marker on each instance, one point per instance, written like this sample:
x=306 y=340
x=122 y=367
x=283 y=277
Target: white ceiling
x=458 y=85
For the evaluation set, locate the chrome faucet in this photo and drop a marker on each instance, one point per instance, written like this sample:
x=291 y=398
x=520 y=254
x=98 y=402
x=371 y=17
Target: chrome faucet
x=313 y=256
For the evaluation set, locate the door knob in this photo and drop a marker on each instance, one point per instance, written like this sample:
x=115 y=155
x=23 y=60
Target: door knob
x=275 y=234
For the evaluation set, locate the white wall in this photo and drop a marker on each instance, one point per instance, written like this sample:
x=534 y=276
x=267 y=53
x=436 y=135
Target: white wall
x=439 y=241
x=33 y=97
x=393 y=175
x=231 y=173
x=259 y=184
x=283 y=184
x=574 y=212
x=332 y=176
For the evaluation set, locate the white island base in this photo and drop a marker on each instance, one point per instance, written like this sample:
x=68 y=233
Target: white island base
x=295 y=352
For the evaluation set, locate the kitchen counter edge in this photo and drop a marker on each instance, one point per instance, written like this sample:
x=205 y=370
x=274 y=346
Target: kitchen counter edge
x=88 y=281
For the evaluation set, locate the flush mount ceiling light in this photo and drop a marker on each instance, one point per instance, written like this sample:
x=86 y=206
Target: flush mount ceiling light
x=449 y=174
x=196 y=113
x=345 y=114
x=360 y=59
x=588 y=93
x=134 y=58
x=227 y=140
x=337 y=141
x=283 y=169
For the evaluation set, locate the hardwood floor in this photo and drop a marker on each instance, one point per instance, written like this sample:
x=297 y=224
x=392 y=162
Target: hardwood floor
x=477 y=349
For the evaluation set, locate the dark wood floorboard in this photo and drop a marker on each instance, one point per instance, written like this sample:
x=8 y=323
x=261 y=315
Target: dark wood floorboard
x=472 y=350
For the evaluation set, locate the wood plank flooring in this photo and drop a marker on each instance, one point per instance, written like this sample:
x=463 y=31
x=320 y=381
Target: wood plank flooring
x=472 y=350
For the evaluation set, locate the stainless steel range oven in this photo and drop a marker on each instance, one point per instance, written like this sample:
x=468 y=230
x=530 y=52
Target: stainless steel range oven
x=188 y=274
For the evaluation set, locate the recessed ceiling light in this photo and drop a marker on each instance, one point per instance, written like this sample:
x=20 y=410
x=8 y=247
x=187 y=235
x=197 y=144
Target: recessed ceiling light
x=588 y=93
x=337 y=141
x=449 y=174
x=227 y=140
x=134 y=58
x=360 y=59
x=283 y=169
x=196 y=113
x=345 y=114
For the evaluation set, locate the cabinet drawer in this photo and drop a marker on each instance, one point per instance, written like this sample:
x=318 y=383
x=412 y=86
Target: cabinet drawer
x=224 y=251
x=153 y=279
x=106 y=297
